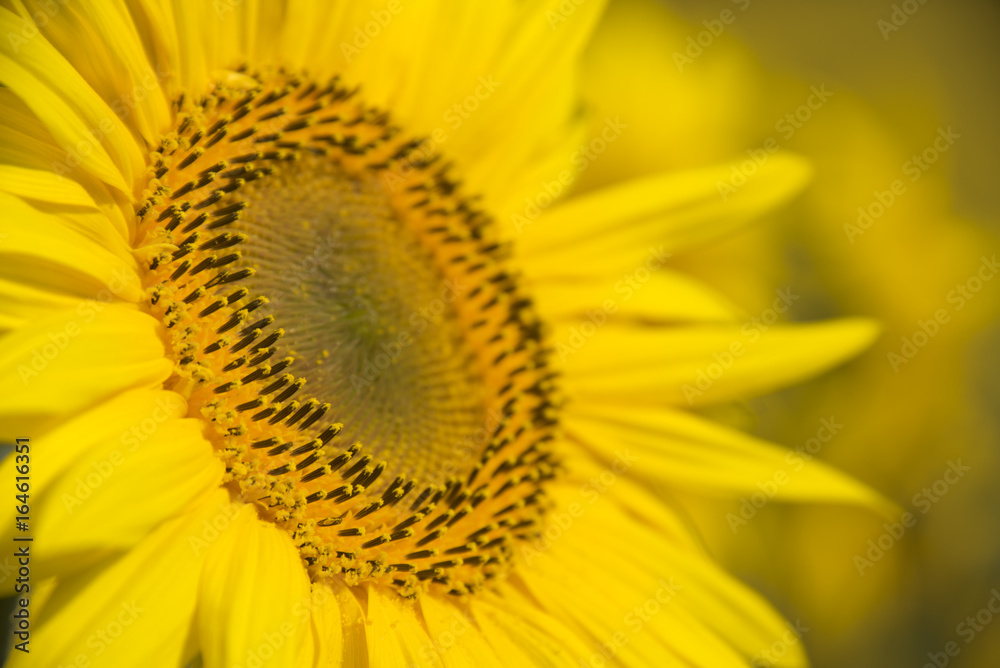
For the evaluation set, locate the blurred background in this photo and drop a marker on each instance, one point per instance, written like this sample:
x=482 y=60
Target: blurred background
x=895 y=105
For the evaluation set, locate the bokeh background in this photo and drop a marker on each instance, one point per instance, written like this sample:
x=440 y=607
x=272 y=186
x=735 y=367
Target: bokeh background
x=895 y=77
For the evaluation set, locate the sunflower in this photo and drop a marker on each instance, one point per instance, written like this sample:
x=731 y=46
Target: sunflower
x=317 y=363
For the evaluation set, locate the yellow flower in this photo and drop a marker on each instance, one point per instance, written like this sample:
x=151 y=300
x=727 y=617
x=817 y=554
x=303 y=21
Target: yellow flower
x=315 y=370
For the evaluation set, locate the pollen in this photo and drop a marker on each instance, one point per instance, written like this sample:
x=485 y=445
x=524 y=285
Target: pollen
x=343 y=318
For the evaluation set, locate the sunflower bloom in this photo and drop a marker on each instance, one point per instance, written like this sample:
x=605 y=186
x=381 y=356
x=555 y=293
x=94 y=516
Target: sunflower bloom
x=320 y=367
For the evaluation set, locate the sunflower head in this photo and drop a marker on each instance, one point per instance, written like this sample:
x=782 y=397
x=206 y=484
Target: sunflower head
x=341 y=314
x=378 y=417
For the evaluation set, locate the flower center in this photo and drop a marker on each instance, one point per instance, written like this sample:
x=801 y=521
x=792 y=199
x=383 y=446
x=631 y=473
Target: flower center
x=342 y=318
x=367 y=312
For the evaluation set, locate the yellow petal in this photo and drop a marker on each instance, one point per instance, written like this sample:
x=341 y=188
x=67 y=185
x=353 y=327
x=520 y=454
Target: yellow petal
x=44 y=186
x=589 y=467
x=137 y=610
x=101 y=40
x=690 y=453
x=500 y=102
x=535 y=106
x=193 y=26
x=456 y=637
x=74 y=359
x=254 y=598
x=661 y=296
x=121 y=488
x=640 y=599
x=338 y=626
x=396 y=636
x=68 y=106
x=528 y=636
x=26 y=143
x=63 y=448
x=701 y=364
x=77 y=253
x=20 y=303
x=613 y=230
